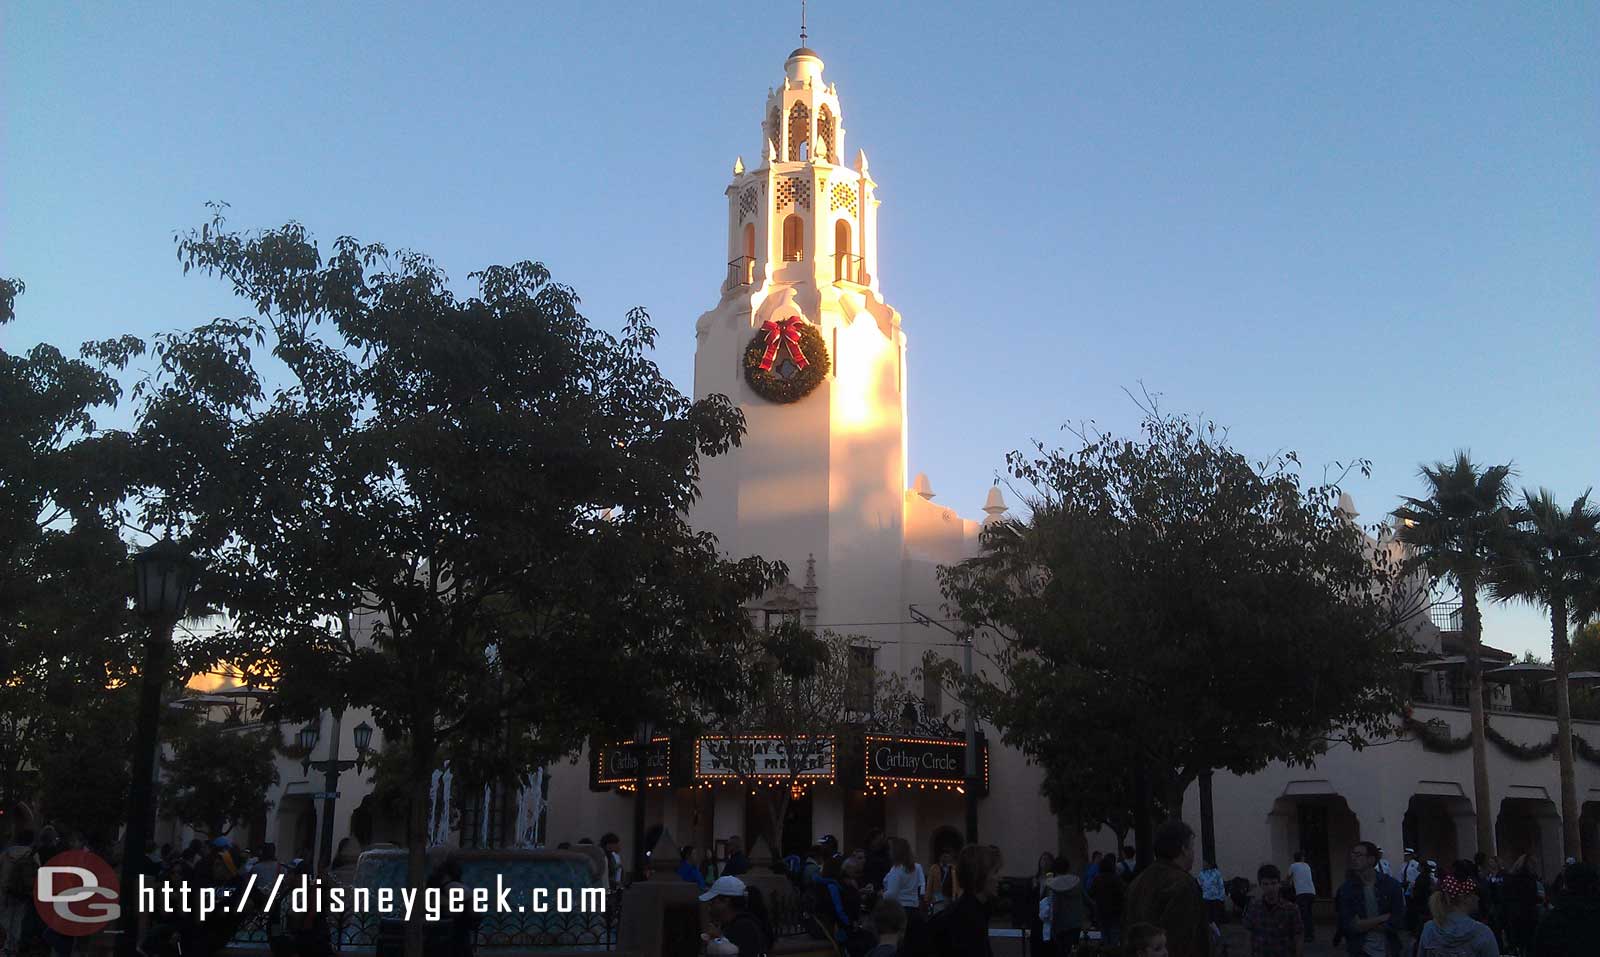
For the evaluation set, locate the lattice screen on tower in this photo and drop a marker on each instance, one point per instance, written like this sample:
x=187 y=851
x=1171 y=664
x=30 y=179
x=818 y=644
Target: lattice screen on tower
x=747 y=204
x=794 y=191
x=844 y=197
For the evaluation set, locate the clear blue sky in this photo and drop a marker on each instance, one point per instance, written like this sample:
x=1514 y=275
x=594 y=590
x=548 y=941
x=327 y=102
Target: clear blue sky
x=1344 y=229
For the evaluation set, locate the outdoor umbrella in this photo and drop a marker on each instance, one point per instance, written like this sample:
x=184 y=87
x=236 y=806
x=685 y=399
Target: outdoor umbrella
x=1520 y=672
x=1585 y=679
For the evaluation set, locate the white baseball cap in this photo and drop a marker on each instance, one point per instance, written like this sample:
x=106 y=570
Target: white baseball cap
x=724 y=887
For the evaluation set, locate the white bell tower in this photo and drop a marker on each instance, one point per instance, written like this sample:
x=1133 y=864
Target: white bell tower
x=824 y=475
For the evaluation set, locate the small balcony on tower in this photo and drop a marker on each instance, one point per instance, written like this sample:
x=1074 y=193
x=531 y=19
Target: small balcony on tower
x=848 y=268
x=741 y=272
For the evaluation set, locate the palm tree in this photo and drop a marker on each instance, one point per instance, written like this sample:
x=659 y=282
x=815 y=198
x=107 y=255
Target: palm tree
x=1453 y=533
x=1552 y=558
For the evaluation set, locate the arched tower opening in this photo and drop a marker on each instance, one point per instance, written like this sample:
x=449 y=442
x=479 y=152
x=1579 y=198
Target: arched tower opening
x=794 y=238
x=843 y=258
x=799 y=131
x=827 y=146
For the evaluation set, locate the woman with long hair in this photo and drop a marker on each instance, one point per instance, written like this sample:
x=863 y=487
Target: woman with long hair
x=1453 y=932
x=905 y=884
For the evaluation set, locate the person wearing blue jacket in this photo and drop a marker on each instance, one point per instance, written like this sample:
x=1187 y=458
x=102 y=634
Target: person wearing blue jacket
x=1371 y=906
x=686 y=868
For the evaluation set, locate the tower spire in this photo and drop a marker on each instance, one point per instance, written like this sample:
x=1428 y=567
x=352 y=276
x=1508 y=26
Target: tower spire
x=802 y=22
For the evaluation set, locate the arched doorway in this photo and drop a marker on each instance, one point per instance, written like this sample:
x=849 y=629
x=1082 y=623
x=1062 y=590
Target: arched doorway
x=1529 y=825
x=1589 y=831
x=1320 y=824
x=1433 y=824
x=297 y=826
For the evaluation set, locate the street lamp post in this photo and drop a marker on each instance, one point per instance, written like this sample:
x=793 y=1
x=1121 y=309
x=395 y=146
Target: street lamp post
x=970 y=792
x=331 y=767
x=970 y=778
x=642 y=743
x=164 y=576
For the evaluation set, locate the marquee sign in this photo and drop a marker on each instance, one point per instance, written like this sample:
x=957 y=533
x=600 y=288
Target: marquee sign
x=893 y=760
x=762 y=755
x=618 y=762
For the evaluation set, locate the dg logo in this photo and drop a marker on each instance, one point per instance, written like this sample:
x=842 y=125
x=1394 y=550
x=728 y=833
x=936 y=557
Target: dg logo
x=77 y=893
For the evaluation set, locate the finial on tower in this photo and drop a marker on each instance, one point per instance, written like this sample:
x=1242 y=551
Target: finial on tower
x=994 y=505
x=802 y=22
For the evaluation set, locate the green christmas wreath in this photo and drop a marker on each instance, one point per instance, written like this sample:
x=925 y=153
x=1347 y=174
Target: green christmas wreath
x=786 y=360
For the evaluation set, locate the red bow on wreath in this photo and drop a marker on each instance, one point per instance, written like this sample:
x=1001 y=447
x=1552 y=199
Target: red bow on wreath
x=788 y=332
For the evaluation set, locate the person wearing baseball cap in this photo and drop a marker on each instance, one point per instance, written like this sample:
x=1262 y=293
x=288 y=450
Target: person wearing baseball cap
x=1455 y=932
x=728 y=908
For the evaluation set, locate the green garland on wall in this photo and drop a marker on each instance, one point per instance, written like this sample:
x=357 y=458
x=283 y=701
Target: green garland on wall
x=1435 y=736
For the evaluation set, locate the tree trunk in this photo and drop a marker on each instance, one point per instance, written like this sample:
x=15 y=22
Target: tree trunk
x=423 y=753
x=1122 y=838
x=1071 y=845
x=1561 y=652
x=1143 y=809
x=1472 y=625
x=1208 y=831
x=778 y=803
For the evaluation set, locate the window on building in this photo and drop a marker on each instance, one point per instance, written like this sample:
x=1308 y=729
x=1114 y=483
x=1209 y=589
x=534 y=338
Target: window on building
x=794 y=238
x=843 y=262
x=750 y=240
x=826 y=150
x=773 y=618
x=932 y=697
x=861 y=679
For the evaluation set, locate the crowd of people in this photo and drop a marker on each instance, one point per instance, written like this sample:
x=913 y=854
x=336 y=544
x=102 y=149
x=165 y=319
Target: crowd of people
x=219 y=864
x=1472 y=908
x=880 y=901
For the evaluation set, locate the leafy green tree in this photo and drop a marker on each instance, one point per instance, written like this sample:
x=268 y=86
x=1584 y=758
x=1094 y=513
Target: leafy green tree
x=1120 y=613
x=465 y=513
x=1552 y=558
x=83 y=778
x=67 y=639
x=1454 y=532
x=1586 y=647
x=218 y=776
